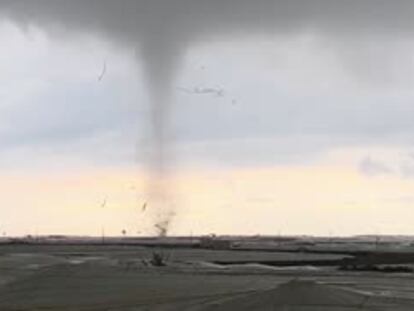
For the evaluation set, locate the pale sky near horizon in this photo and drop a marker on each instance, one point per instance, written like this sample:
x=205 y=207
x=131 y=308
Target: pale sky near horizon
x=300 y=130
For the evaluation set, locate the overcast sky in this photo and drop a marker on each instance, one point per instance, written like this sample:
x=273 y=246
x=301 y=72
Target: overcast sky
x=267 y=108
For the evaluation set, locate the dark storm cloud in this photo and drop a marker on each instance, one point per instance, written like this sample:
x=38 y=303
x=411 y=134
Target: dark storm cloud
x=165 y=28
x=173 y=20
x=162 y=30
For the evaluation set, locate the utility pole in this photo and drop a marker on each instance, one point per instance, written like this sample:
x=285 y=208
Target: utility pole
x=103 y=234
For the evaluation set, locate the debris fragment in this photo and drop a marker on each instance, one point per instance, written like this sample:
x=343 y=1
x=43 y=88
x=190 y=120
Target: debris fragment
x=162 y=229
x=103 y=72
x=203 y=91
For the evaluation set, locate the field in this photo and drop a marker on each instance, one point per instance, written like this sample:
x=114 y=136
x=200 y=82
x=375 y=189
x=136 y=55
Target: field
x=68 y=276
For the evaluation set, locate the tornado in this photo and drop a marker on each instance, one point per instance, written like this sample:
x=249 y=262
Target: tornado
x=161 y=60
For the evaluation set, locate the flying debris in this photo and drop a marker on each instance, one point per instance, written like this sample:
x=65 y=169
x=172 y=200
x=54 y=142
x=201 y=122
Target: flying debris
x=103 y=204
x=203 y=91
x=144 y=207
x=162 y=229
x=103 y=72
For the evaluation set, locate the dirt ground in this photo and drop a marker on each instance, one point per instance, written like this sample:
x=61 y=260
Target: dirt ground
x=121 y=278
